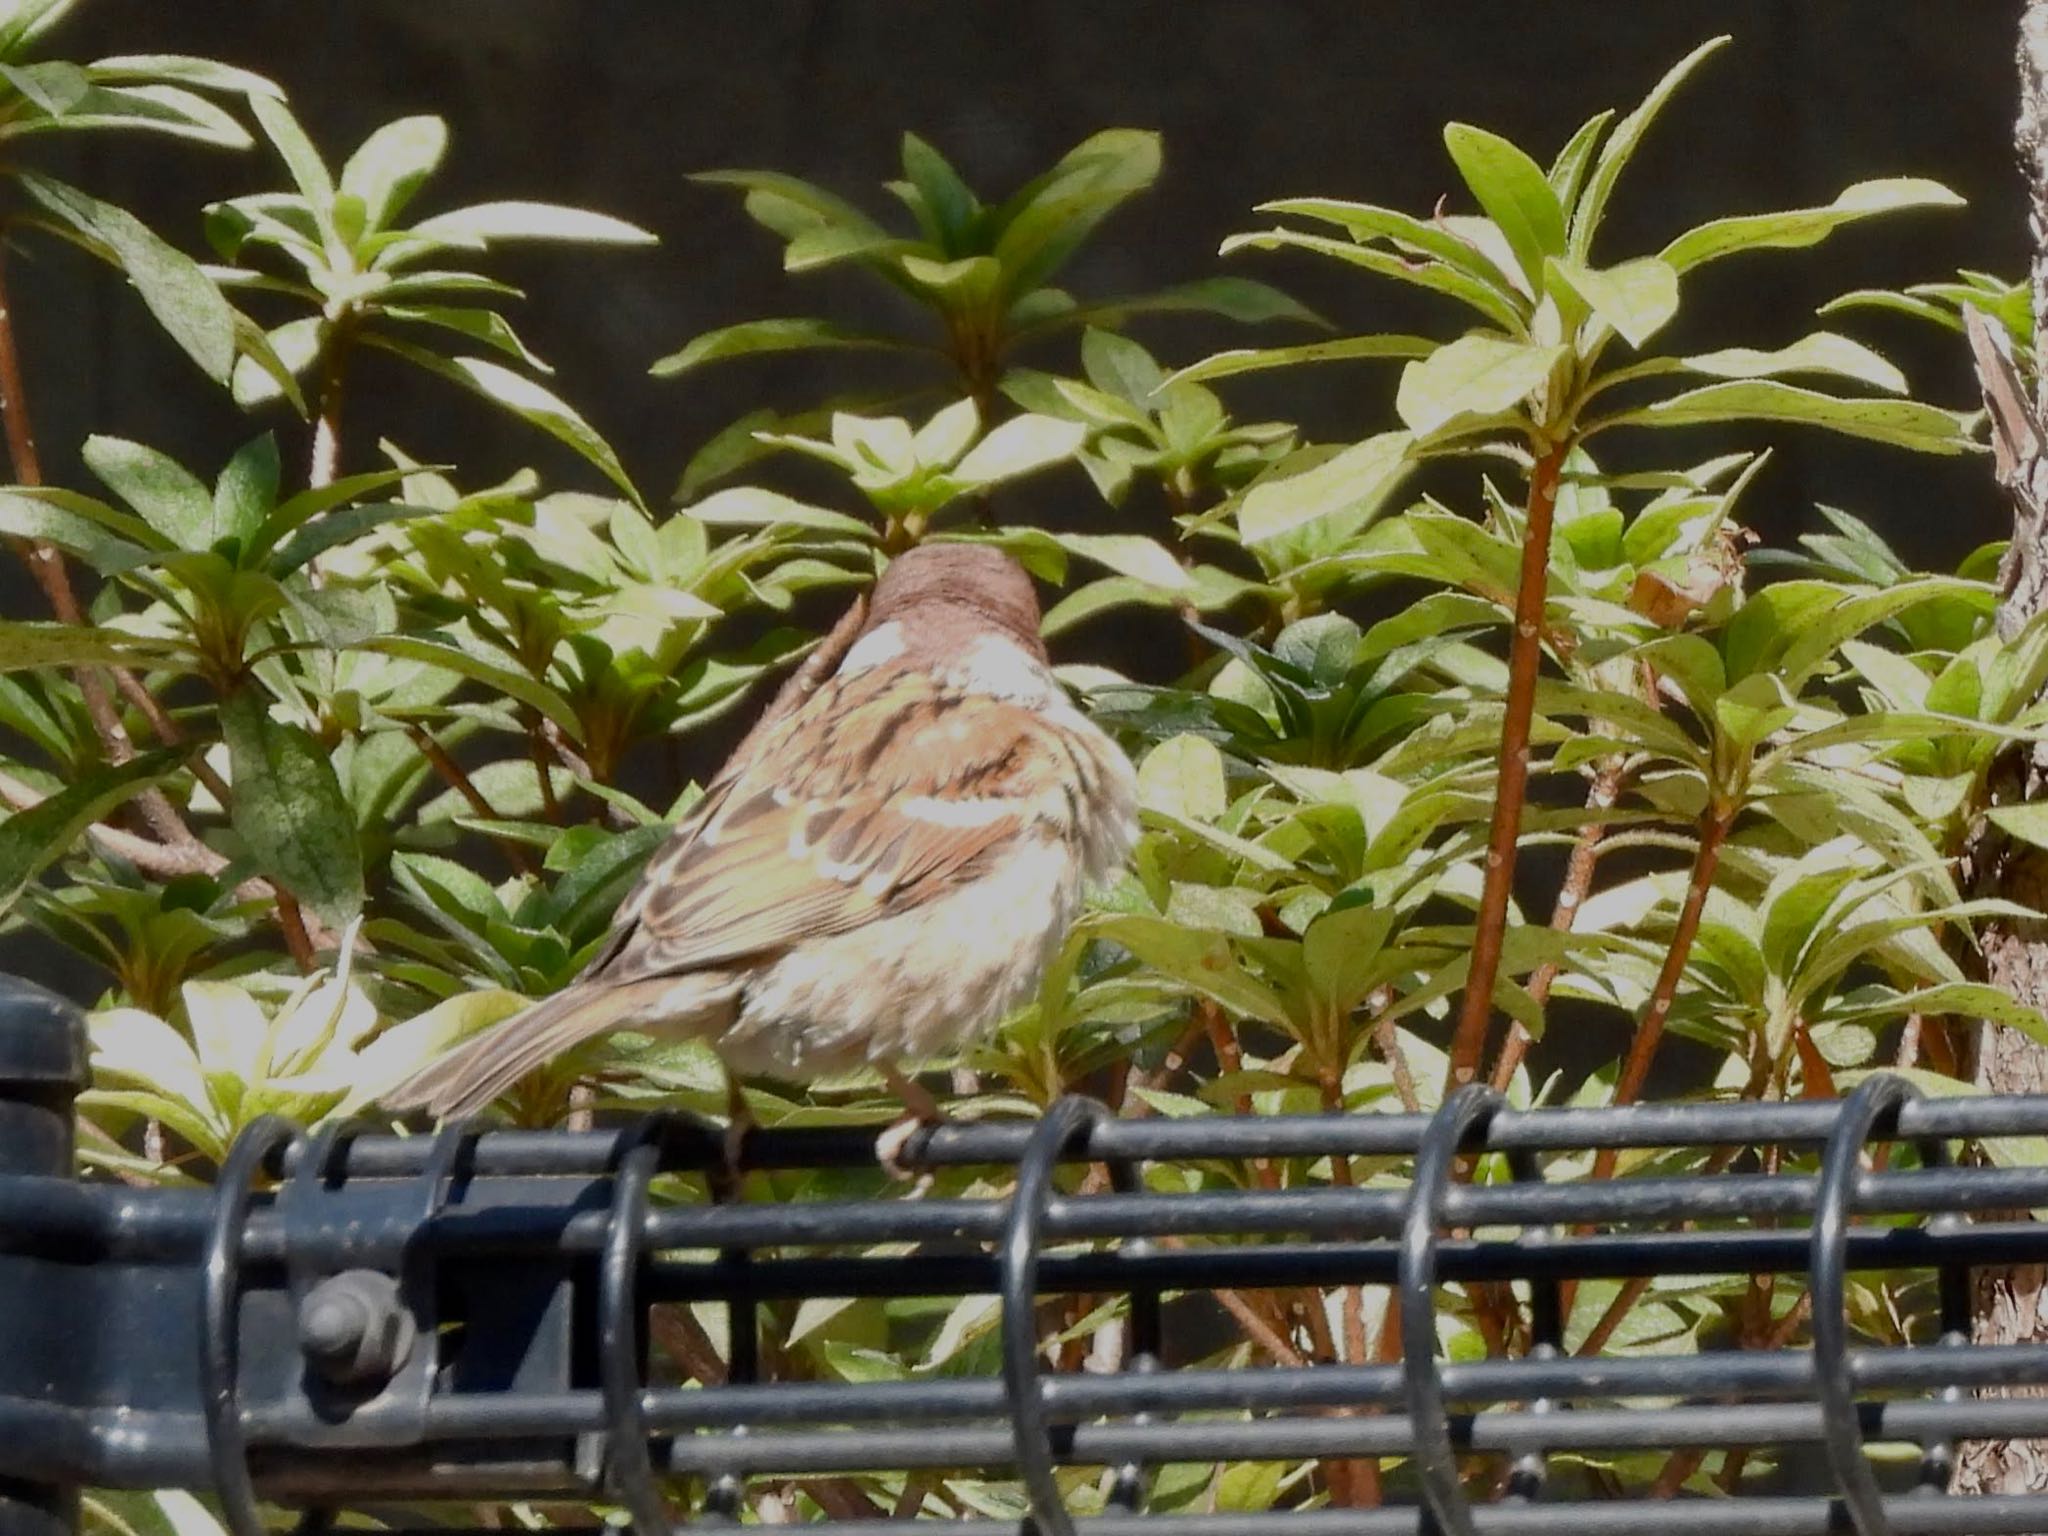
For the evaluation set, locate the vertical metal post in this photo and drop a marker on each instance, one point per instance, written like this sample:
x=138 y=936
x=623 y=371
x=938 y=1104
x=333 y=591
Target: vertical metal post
x=43 y=1068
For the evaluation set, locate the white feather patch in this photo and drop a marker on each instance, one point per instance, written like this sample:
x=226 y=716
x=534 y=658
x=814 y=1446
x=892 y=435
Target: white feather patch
x=882 y=643
x=1000 y=669
x=980 y=811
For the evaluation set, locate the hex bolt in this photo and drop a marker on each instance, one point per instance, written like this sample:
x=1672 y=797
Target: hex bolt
x=353 y=1329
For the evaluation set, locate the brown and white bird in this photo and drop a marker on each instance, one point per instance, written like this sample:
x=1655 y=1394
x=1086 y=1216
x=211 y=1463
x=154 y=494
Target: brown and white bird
x=882 y=870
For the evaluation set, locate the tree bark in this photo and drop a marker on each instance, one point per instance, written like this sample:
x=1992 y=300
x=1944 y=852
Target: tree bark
x=2012 y=1303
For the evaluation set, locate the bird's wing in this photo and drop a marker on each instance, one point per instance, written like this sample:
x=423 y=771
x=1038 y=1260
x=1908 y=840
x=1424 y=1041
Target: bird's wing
x=878 y=794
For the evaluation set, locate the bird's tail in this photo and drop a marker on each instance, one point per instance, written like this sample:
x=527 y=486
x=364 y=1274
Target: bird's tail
x=469 y=1077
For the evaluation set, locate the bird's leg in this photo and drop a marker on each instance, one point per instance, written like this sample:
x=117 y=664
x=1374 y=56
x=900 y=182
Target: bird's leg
x=923 y=1113
x=739 y=1122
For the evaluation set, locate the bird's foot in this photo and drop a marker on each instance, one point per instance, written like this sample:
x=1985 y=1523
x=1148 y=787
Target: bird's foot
x=923 y=1114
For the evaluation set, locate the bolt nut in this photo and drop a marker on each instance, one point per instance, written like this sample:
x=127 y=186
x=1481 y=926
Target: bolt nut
x=353 y=1329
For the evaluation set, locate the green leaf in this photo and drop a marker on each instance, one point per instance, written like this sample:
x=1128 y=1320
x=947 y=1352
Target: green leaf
x=1973 y=1000
x=290 y=810
x=184 y=300
x=1129 y=554
x=103 y=538
x=493 y=675
x=1254 y=360
x=1568 y=171
x=1043 y=224
x=204 y=74
x=523 y=398
x=1800 y=227
x=1474 y=376
x=1018 y=446
x=1823 y=352
x=340 y=527
x=1200 y=959
x=33 y=839
x=532 y=221
x=169 y=496
x=1365 y=474
x=246 y=489
x=1242 y=299
x=1437 y=276
x=1514 y=193
x=1627 y=136
x=391 y=166
x=950 y=202
x=1341 y=949
x=1120 y=366
x=1903 y=423
x=1636 y=298
x=309 y=504
x=1753 y=709
x=752 y=337
x=309 y=172
x=1366 y=222
x=1183 y=776
x=2027 y=822
x=753 y=506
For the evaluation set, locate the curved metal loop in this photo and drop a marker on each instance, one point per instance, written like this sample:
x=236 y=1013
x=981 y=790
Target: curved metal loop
x=1531 y=1470
x=1069 y=1119
x=1873 y=1105
x=1436 y=1462
x=1143 y=1341
x=258 y=1149
x=628 y=1458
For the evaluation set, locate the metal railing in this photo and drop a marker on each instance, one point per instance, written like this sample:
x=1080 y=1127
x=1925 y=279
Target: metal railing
x=352 y=1321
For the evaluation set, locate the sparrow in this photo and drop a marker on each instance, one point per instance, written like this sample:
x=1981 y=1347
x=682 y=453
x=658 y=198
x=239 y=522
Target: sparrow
x=883 y=869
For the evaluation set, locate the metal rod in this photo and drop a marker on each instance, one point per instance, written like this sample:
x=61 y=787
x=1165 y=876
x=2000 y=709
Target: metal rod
x=43 y=1068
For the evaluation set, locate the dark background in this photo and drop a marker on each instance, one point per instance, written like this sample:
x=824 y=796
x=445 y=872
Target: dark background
x=610 y=103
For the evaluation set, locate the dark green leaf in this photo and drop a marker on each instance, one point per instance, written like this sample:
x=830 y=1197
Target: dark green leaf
x=169 y=497
x=1903 y=423
x=246 y=489
x=750 y=337
x=33 y=839
x=290 y=810
x=1254 y=360
x=183 y=299
x=523 y=398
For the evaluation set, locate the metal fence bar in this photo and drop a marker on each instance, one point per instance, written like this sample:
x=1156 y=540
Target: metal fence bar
x=354 y=1318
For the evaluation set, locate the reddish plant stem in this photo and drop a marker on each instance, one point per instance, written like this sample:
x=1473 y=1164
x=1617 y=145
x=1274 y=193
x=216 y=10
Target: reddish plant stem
x=543 y=772
x=1578 y=884
x=45 y=564
x=1387 y=1040
x=1362 y=1475
x=1525 y=660
x=452 y=774
x=1714 y=828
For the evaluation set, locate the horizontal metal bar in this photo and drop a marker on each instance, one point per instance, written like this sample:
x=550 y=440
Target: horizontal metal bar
x=1076 y=1397
x=1319 y=1211
x=1803 y=1122
x=1909 y=1515
x=1291 y=1439
x=1248 y=1267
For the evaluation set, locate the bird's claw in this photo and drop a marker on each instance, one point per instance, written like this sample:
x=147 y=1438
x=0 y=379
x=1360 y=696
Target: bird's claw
x=894 y=1142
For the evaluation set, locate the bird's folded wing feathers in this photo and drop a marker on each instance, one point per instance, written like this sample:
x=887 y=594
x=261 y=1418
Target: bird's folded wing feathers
x=941 y=780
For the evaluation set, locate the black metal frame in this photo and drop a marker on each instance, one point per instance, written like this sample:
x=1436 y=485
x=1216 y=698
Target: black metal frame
x=464 y=1315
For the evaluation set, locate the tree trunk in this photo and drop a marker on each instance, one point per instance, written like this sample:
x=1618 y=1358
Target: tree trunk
x=2012 y=1303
